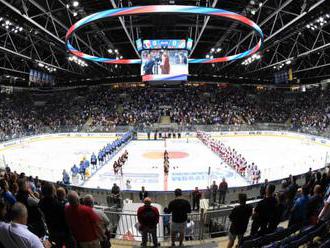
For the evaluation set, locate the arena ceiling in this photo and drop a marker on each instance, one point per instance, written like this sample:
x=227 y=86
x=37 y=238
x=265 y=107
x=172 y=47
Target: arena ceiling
x=294 y=37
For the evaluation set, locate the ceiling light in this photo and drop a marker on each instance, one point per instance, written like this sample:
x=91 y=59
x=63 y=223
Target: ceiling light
x=116 y=50
x=218 y=49
x=110 y=51
x=75 y=4
x=75 y=13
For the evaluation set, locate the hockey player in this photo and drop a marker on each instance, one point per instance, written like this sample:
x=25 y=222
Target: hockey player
x=93 y=161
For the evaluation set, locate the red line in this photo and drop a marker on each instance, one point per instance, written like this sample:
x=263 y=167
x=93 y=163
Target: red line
x=165 y=182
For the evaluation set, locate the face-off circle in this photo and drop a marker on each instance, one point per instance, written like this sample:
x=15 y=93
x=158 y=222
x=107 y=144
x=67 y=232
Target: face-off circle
x=156 y=9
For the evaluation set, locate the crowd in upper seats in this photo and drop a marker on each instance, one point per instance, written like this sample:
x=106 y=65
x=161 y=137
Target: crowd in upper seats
x=105 y=107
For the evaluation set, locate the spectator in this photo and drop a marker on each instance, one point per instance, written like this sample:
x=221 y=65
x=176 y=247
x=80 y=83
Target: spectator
x=223 y=188
x=263 y=189
x=166 y=222
x=143 y=194
x=308 y=175
x=189 y=229
x=148 y=217
x=26 y=196
x=264 y=212
x=7 y=196
x=61 y=195
x=16 y=233
x=104 y=221
x=325 y=212
x=214 y=190
x=83 y=222
x=298 y=211
x=53 y=211
x=179 y=208
x=239 y=218
x=196 y=196
x=314 y=205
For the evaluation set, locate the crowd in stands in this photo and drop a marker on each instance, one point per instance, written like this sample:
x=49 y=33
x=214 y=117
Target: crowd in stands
x=37 y=214
x=105 y=108
x=304 y=207
x=42 y=213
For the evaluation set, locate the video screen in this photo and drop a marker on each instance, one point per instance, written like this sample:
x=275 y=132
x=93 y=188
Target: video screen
x=165 y=65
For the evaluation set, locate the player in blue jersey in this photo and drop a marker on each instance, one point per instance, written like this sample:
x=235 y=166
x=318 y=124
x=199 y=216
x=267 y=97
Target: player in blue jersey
x=100 y=158
x=93 y=161
x=74 y=170
x=82 y=170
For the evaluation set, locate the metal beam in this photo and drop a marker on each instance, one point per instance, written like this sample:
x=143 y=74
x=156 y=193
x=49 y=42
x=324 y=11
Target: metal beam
x=6 y=50
x=279 y=30
x=121 y=19
x=202 y=30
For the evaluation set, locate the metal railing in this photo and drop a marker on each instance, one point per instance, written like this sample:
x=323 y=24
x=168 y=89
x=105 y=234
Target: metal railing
x=206 y=224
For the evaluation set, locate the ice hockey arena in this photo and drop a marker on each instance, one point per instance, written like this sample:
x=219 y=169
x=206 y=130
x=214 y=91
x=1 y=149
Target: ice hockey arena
x=165 y=123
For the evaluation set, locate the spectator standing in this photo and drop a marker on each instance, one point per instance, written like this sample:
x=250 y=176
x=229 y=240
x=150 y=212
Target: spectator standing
x=166 y=222
x=179 y=208
x=223 y=188
x=83 y=222
x=104 y=221
x=299 y=209
x=308 y=175
x=53 y=211
x=263 y=189
x=26 y=196
x=214 y=190
x=314 y=205
x=148 y=217
x=264 y=212
x=143 y=194
x=239 y=218
x=16 y=233
x=196 y=196
x=7 y=196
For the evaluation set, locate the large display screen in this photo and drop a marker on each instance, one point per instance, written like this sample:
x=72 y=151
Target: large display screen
x=166 y=65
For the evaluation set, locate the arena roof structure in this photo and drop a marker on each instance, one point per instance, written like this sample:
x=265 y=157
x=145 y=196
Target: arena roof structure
x=297 y=35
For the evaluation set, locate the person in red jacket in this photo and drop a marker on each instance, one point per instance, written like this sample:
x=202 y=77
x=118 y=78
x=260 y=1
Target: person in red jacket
x=148 y=217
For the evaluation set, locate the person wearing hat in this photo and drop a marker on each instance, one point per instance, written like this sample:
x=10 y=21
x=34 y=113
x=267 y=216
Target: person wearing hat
x=148 y=217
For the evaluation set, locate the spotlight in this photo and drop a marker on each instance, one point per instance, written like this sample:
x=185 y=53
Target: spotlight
x=75 y=4
x=110 y=51
x=116 y=51
x=75 y=13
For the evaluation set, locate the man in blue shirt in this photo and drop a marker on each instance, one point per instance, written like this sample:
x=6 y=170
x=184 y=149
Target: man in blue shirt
x=298 y=211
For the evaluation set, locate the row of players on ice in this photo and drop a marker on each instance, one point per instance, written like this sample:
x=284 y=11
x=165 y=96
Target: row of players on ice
x=103 y=156
x=231 y=157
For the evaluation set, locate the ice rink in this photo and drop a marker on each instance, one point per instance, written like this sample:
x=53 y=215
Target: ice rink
x=276 y=156
x=189 y=165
